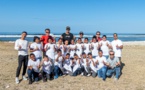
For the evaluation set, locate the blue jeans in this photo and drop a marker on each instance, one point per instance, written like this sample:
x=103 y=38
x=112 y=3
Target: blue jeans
x=57 y=72
x=33 y=75
x=102 y=72
x=106 y=56
x=77 y=72
x=115 y=70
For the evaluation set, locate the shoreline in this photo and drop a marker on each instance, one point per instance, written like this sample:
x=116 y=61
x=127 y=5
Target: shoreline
x=142 y=43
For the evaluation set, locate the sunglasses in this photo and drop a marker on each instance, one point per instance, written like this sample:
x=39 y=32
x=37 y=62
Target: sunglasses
x=111 y=54
x=47 y=32
x=97 y=34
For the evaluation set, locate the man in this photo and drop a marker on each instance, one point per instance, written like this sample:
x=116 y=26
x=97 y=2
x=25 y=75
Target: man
x=22 y=46
x=67 y=35
x=44 y=38
x=117 y=46
x=113 y=66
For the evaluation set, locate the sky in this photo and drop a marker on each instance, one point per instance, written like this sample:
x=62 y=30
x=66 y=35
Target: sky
x=89 y=16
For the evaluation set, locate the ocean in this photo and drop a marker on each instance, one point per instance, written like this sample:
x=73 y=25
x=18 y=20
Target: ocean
x=125 y=37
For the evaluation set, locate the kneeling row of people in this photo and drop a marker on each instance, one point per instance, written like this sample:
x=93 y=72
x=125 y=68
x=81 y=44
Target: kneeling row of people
x=87 y=66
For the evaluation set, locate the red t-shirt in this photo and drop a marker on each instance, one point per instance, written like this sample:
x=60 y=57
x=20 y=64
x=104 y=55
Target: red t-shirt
x=45 y=38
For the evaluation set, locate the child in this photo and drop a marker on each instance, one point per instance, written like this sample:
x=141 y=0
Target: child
x=37 y=48
x=79 y=47
x=60 y=46
x=94 y=47
x=105 y=45
x=58 y=64
x=46 y=68
x=66 y=47
x=72 y=49
x=50 y=49
x=102 y=65
x=93 y=65
x=84 y=64
x=67 y=65
x=33 y=68
x=86 y=46
x=76 y=65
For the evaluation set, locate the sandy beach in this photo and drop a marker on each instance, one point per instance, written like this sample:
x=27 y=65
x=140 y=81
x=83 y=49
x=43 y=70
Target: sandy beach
x=132 y=78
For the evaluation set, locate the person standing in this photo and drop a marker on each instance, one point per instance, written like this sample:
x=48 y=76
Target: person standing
x=44 y=38
x=81 y=34
x=67 y=35
x=22 y=46
x=104 y=46
x=117 y=46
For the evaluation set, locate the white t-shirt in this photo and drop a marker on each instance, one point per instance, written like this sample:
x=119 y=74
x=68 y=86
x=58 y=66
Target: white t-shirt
x=59 y=62
x=100 y=61
x=104 y=47
x=94 y=48
x=87 y=48
x=79 y=50
x=37 y=53
x=34 y=64
x=67 y=65
x=61 y=47
x=117 y=51
x=24 y=47
x=72 y=52
x=66 y=49
x=94 y=68
x=50 y=51
x=46 y=67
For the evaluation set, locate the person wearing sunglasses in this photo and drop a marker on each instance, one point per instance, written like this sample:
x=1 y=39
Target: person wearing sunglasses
x=113 y=66
x=98 y=38
x=44 y=38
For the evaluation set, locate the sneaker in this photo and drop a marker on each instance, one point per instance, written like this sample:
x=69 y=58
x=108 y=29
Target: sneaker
x=115 y=79
x=24 y=78
x=17 y=80
x=113 y=76
x=82 y=74
x=89 y=75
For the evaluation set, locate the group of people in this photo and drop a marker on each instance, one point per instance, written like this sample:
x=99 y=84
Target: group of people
x=68 y=56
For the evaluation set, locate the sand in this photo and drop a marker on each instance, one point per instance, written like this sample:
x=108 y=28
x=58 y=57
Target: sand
x=132 y=78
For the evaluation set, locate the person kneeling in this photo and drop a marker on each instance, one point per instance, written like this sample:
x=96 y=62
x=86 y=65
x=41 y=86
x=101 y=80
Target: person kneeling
x=58 y=64
x=113 y=66
x=75 y=63
x=46 y=68
x=33 y=68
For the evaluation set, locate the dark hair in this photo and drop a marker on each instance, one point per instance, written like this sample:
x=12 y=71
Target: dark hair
x=89 y=53
x=35 y=37
x=25 y=32
x=58 y=50
x=67 y=54
x=86 y=38
x=75 y=54
x=32 y=54
x=83 y=53
x=81 y=33
x=46 y=56
x=47 y=29
x=79 y=39
x=115 y=34
x=100 y=51
x=104 y=36
x=59 y=39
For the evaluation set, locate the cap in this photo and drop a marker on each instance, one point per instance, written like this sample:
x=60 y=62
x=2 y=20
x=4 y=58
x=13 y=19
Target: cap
x=67 y=27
